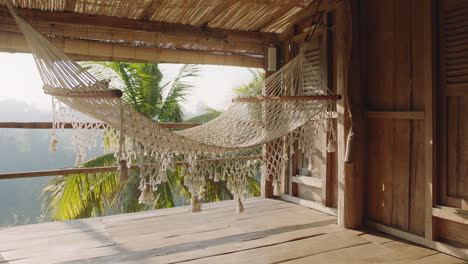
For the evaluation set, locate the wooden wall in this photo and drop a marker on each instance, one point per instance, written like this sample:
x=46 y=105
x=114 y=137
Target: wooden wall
x=409 y=186
x=395 y=156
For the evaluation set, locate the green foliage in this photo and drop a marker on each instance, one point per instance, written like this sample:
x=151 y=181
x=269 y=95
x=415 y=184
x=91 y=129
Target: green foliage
x=82 y=195
x=97 y=194
x=254 y=87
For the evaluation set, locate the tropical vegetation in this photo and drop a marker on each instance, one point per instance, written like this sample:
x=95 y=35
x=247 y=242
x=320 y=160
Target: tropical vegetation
x=96 y=194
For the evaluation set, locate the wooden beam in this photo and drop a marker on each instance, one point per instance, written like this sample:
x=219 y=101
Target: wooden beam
x=266 y=182
x=407 y=115
x=230 y=44
x=288 y=98
x=97 y=50
x=351 y=149
x=308 y=180
x=48 y=125
x=35 y=174
x=451 y=213
x=166 y=28
x=429 y=117
x=439 y=246
x=115 y=93
x=310 y=204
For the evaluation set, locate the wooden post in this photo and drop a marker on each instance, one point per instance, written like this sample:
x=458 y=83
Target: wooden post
x=350 y=175
x=429 y=120
x=266 y=183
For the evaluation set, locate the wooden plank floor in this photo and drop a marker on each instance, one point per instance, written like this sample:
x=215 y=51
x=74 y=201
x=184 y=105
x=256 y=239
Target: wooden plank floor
x=269 y=231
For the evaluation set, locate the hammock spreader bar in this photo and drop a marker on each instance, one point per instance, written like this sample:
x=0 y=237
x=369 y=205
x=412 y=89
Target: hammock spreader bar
x=289 y=98
x=114 y=93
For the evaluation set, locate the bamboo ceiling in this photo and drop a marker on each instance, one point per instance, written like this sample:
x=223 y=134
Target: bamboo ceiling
x=239 y=28
x=246 y=15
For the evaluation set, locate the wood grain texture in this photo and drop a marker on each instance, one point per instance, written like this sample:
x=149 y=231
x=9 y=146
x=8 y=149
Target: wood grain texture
x=397 y=84
x=82 y=49
x=452 y=232
x=453 y=126
x=419 y=115
x=269 y=231
x=440 y=246
x=449 y=213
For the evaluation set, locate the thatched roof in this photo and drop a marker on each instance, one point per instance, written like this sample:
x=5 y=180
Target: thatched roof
x=245 y=15
x=226 y=32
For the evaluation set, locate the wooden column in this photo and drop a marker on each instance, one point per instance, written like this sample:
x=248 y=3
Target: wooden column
x=350 y=175
x=266 y=183
x=429 y=117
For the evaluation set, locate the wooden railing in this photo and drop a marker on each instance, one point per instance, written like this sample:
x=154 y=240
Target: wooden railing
x=33 y=174
x=48 y=125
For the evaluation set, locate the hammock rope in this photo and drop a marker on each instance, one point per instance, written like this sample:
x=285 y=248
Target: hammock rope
x=238 y=132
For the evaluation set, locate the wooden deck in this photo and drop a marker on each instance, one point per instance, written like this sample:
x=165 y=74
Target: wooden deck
x=269 y=231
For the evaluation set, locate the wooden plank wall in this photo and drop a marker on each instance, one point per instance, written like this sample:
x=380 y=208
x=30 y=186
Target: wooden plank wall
x=395 y=154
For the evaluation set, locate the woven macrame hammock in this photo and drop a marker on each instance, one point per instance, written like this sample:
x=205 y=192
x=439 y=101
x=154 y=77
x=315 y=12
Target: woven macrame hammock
x=227 y=148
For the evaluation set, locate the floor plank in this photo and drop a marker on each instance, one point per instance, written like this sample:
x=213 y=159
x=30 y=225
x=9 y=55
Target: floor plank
x=269 y=231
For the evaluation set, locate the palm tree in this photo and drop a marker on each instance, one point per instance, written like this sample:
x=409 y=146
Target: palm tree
x=85 y=195
x=254 y=87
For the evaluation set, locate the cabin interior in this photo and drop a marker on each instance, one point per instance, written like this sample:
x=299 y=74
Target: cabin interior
x=400 y=196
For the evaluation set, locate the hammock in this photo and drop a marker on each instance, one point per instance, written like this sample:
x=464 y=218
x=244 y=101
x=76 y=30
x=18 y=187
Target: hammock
x=235 y=136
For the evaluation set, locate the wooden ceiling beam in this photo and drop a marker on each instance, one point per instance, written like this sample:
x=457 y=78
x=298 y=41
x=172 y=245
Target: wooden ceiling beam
x=137 y=38
x=105 y=51
x=172 y=29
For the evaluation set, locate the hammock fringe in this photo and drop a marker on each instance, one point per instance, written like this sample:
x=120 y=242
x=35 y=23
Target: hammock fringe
x=292 y=109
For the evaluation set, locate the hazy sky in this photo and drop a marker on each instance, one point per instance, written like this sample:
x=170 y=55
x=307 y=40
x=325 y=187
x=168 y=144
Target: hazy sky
x=20 y=81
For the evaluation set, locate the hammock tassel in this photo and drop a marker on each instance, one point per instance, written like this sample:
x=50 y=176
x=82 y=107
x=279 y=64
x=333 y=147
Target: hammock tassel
x=53 y=143
x=195 y=204
x=239 y=205
x=124 y=173
x=146 y=196
x=276 y=188
x=350 y=146
x=331 y=147
x=53 y=137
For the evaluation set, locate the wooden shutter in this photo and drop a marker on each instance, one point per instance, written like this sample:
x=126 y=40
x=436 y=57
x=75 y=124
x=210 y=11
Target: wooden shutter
x=453 y=94
x=313 y=55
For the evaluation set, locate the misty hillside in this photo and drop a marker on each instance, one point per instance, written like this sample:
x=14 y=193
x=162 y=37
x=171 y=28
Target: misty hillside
x=28 y=150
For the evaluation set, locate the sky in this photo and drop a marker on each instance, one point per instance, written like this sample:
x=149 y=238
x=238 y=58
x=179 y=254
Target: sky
x=20 y=82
